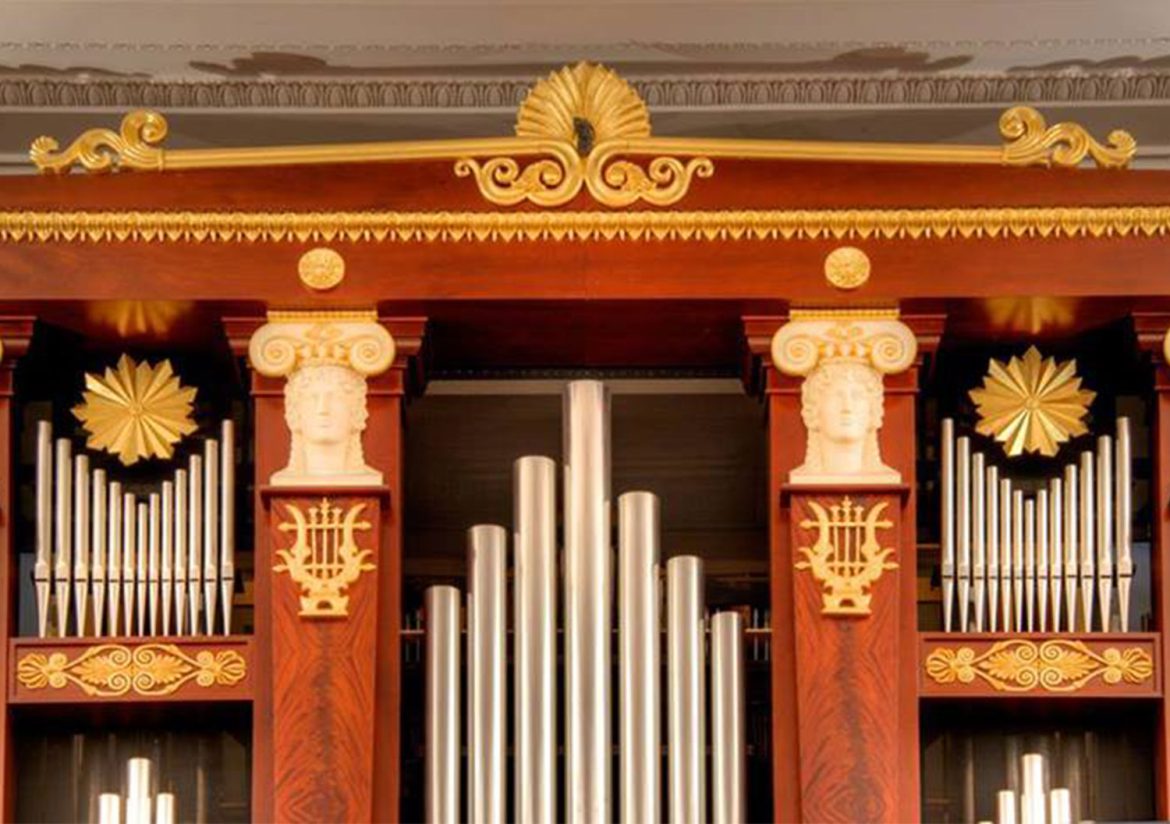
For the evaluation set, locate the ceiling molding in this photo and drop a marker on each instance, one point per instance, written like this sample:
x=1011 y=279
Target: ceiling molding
x=714 y=91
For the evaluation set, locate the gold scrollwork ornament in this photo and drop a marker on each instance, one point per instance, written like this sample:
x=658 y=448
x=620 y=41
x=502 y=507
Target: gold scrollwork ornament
x=324 y=558
x=113 y=670
x=1021 y=665
x=847 y=558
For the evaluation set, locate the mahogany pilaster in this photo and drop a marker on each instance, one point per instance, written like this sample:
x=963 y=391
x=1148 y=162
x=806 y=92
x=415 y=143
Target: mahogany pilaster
x=15 y=335
x=851 y=752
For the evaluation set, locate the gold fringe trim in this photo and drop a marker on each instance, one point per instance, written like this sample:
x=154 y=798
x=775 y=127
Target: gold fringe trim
x=481 y=227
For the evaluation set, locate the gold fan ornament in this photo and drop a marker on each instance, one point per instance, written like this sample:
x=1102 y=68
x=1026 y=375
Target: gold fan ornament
x=136 y=411
x=1032 y=404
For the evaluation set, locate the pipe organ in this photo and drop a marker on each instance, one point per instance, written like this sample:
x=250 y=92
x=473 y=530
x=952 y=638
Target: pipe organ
x=838 y=473
x=155 y=562
x=1065 y=543
x=692 y=720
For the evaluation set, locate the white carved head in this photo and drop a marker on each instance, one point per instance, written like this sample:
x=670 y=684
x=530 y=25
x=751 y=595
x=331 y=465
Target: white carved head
x=325 y=407
x=842 y=404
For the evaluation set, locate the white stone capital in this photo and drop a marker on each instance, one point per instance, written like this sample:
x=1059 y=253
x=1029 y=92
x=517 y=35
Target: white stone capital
x=292 y=340
x=875 y=338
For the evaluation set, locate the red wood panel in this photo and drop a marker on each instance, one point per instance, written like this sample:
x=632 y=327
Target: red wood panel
x=1143 y=646
x=847 y=685
x=15 y=333
x=323 y=679
x=176 y=653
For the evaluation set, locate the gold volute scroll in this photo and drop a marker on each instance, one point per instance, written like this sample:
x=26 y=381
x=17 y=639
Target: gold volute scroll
x=324 y=558
x=135 y=146
x=1029 y=141
x=847 y=557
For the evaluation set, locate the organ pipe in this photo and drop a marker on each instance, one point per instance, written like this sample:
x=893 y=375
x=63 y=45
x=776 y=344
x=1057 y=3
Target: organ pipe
x=686 y=701
x=443 y=716
x=486 y=608
x=728 y=746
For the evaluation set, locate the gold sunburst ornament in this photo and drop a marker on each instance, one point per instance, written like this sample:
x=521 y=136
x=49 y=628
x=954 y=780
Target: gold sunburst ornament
x=1032 y=404
x=136 y=411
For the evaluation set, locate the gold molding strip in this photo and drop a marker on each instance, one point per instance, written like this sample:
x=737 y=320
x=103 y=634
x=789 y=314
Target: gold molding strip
x=581 y=128
x=113 y=670
x=1020 y=665
x=1004 y=222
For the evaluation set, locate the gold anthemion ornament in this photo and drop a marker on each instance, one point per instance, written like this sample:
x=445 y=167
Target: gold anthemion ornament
x=584 y=105
x=136 y=411
x=1020 y=665
x=847 y=557
x=1032 y=404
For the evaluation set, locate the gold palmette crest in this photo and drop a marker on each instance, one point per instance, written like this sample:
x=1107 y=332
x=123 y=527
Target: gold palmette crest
x=324 y=558
x=136 y=411
x=847 y=558
x=1032 y=404
x=583 y=104
x=1020 y=665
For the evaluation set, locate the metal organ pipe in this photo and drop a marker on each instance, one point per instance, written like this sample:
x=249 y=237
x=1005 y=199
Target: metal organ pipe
x=947 y=538
x=486 y=622
x=63 y=529
x=100 y=525
x=638 y=616
x=728 y=770
x=535 y=639
x=588 y=598
x=1088 y=536
x=443 y=754
x=227 y=522
x=992 y=526
x=42 y=569
x=81 y=502
x=963 y=527
x=686 y=703
x=211 y=494
x=978 y=542
x=114 y=557
x=1105 y=516
x=1124 y=521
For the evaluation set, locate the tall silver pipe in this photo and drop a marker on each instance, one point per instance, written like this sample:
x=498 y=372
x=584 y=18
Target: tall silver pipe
x=443 y=753
x=1030 y=563
x=129 y=556
x=947 y=537
x=1019 y=557
x=728 y=745
x=1056 y=548
x=194 y=540
x=100 y=526
x=1124 y=521
x=210 y=532
x=1105 y=515
x=963 y=527
x=181 y=530
x=227 y=522
x=81 y=548
x=42 y=568
x=686 y=704
x=535 y=611
x=487 y=550
x=1006 y=555
x=1071 y=546
x=63 y=532
x=114 y=558
x=1042 y=560
x=154 y=563
x=588 y=583
x=167 y=555
x=1088 y=532
x=991 y=519
x=639 y=603
x=978 y=539
x=143 y=560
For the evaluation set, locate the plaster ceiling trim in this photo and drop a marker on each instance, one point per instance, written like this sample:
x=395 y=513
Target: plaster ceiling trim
x=662 y=93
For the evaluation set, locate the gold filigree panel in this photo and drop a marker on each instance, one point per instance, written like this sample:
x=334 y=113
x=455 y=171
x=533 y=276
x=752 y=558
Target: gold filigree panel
x=324 y=559
x=748 y=225
x=1020 y=665
x=847 y=557
x=113 y=670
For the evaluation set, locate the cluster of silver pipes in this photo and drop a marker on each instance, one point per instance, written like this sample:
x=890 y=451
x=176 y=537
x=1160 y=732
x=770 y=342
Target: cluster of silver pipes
x=119 y=564
x=587 y=578
x=1037 y=562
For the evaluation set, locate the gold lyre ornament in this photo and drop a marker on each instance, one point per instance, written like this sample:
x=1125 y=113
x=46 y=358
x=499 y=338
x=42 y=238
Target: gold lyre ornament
x=325 y=558
x=847 y=557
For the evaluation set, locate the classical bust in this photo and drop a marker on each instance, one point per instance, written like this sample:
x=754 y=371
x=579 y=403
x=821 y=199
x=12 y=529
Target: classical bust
x=842 y=406
x=325 y=408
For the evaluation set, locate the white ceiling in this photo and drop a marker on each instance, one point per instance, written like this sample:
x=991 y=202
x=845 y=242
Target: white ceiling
x=282 y=71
